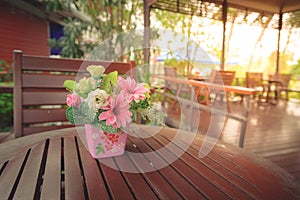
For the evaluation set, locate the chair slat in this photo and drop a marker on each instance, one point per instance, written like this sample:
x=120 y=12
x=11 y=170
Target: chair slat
x=50 y=64
x=45 y=81
x=70 y=65
x=55 y=97
x=44 y=115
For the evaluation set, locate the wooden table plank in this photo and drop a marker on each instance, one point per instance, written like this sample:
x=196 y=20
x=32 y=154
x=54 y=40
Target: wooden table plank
x=31 y=178
x=201 y=184
x=214 y=170
x=10 y=175
x=113 y=176
x=159 y=179
x=245 y=166
x=184 y=188
x=135 y=180
x=94 y=181
x=51 y=188
x=238 y=161
x=72 y=172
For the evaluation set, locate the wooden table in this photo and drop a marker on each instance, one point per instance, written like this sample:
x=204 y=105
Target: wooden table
x=56 y=165
x=197 y=77
x=246 y=92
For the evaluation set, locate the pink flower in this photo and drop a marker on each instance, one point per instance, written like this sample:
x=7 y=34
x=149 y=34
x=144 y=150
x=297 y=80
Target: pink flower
x=117 y=114
x=73 y=100
x=131 y=90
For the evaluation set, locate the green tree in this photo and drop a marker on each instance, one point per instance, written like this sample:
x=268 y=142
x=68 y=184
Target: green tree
x=104 y=19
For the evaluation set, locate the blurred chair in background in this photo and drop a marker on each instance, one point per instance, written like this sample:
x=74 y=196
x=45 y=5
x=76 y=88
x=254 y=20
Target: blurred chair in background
x=220 y=77
x=255 y=80
x=281 y=84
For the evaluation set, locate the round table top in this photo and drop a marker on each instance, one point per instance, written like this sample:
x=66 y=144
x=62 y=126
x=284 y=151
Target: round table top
x=159 y=163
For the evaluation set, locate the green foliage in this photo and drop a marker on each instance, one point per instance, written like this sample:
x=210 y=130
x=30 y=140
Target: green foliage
x=110 y=80
x=182 y=67
x=6 y=112
x=296 y=69
x=102 y=20
x=71 y=43
x=6 y=74
x=294 y=19
x=109 y=129
x=84 y=115
x=81 y=115
x=69 y=85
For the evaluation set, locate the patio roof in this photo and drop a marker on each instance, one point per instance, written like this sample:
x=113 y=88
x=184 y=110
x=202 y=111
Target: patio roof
x=217 y=9
x=193 y=6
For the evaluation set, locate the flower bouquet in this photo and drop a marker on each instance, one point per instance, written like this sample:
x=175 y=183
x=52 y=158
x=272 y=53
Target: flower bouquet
x=106 y=104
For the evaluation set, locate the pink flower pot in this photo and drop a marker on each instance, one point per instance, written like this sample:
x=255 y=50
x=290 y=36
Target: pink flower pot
x=102 y=144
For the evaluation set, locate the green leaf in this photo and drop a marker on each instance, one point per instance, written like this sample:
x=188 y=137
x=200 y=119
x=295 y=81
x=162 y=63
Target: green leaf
x=69 y=84
x=99 y=149
x=109 y=81
x=81 y=115
x=69 y=114
x=109 y=129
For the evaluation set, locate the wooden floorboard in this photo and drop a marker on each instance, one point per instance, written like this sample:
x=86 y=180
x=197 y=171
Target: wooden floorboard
x=275 y=135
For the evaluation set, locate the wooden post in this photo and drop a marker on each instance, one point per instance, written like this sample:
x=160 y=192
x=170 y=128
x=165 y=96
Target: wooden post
x=18 y=117
x=224 y=19
x=146 y=47
x=278 y=41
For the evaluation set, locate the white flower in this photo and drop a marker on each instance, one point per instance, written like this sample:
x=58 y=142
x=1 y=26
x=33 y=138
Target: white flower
x=96 y=70
x=85 y=85
x=97 y=99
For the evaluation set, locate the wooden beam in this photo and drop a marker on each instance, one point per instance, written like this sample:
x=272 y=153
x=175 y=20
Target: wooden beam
x=278 y=40
x=146 y=47
x=224 y=19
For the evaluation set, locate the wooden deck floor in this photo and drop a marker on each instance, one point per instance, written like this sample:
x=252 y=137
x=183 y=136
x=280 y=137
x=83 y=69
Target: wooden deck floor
x=273 y=132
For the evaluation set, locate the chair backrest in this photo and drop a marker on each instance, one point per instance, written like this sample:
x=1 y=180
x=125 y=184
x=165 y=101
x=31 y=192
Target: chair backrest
x=39 y=94
x=172 y=73
x=222 y=77
x=254 y=79
x=284 y=78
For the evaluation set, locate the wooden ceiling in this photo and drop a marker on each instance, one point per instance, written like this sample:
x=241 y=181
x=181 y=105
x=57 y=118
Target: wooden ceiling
x=192 y=6
x=271 y=6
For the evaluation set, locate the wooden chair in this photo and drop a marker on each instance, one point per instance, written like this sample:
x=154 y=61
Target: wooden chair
x=180 y=90
x=255 y=80
x=39 y=94
x=221 y=77
x=282 y=83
